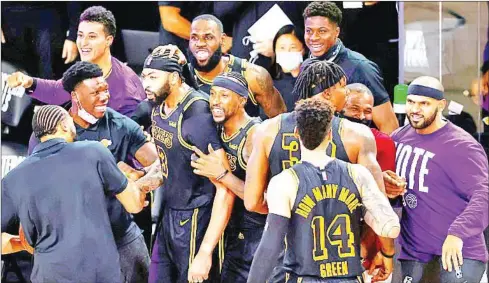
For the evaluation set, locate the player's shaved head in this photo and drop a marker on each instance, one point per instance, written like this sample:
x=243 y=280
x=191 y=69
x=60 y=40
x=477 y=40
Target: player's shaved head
x=429 y=82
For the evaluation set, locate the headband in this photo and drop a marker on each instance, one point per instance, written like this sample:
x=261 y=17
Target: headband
x=231 y=85
x=163 y=64
x=425 y=91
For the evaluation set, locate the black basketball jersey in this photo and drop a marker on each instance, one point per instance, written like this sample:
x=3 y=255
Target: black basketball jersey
x=234 y=146
x=238 y=65
x=182 y=189
x=286 y=150
x=323 y=238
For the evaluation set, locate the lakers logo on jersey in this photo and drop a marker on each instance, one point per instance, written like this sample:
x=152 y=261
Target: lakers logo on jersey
x=290 y=144
x=162 y=136
x=163 y=161
x=232 y=161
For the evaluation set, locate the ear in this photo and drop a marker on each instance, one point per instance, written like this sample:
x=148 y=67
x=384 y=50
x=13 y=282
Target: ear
x=442 y=105
x=337 y=31
x=243 y=101
x=64 y=125
x=221 y=40
x=74 y=97
x=109 y=40
x=326 y=94
x=174 y=77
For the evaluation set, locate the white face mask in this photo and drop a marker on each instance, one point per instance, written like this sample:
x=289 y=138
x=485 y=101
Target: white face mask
x=289 y=60
x=84 y=114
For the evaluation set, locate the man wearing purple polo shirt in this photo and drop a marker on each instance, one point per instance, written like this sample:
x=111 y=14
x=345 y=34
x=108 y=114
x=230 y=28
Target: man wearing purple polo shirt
x=96 y=33
x=446 y=203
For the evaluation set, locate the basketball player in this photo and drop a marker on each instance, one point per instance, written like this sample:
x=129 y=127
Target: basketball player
x=317 y=204
x=195 y=213
x=446 y=205
x=228 y=97
x=205 y=55
x=59 y=195
x=276 y=148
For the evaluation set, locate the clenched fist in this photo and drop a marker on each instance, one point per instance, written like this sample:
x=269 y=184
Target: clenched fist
x=19 y=79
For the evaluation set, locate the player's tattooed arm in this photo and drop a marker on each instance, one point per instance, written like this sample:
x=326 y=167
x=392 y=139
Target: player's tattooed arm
x=367 y=155
x=148 y=157
x=379 y=213
x=266 y=95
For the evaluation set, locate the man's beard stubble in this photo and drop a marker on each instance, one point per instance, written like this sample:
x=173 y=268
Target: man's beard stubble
x=426 y=123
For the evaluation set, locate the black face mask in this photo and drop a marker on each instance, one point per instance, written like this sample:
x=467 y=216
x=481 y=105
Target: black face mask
x=355 y=120
x=213 y=61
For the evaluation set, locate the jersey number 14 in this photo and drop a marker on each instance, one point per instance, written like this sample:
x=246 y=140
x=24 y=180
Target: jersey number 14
x=337 y=234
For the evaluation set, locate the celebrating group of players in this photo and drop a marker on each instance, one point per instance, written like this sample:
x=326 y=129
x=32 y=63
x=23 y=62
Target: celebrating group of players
x=299 y=197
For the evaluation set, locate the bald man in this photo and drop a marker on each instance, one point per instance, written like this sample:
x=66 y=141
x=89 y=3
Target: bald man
x=359 y=108
x=445 y=207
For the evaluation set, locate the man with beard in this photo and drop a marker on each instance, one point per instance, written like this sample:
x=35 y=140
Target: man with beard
x=276 y=147
x=446 y=206
x=359 y=108
x=59 y=195
x=96 y=33
x=123 y=137
x=195 y=213
x=319 y=204
x=206 y=38
x=322 y=20
x=228 y=97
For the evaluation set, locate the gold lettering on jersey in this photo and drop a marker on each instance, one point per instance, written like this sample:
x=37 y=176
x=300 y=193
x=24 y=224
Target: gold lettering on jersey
x=350 y=199
x=233 y=146
x=333 y=269
x=325 y=192
x=232 y=161
x=329 y=191
x=291 y=144
x=162 y=136
x=163 y=162
x=172 y=124
x=305 y=206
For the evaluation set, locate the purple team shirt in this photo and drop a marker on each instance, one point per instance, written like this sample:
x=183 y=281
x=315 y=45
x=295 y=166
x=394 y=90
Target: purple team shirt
x=125 y=87
x=447 y=176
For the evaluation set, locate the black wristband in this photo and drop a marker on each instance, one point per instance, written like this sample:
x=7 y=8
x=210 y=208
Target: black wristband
x=32 y=88
x=387 y=256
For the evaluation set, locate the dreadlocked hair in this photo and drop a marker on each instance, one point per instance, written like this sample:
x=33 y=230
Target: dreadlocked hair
x=235 y=76
x=315 y=77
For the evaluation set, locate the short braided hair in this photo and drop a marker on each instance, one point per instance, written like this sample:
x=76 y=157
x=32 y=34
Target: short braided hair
x=46 y=120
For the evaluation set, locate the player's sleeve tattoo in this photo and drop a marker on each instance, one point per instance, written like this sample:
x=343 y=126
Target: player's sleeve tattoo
x=266 y=95
x=379 y=213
